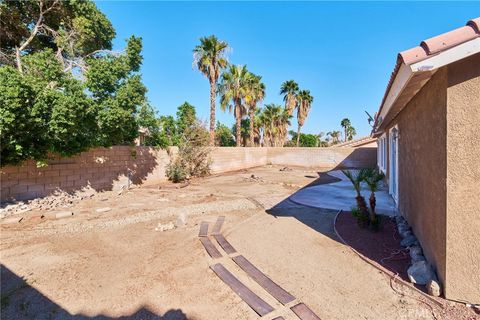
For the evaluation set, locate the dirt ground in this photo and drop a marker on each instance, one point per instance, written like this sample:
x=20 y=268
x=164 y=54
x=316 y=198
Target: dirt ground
x=115 y=264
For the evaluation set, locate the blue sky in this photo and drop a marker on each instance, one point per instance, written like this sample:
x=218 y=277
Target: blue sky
x=343 y=52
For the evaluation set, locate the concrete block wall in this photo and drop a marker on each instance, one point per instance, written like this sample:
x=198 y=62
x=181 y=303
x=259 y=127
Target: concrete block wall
x=324 y=157
x=109 y=168
x=100 y=169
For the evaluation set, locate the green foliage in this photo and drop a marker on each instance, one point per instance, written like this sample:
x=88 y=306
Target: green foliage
x=372 y=178
x=306 y=139
x=244 y=131
x=186 y=117
x=362 y=219
x=44 y=106
x=193 y=159
x=147 y=120
x=223 y=136
x=44 y=110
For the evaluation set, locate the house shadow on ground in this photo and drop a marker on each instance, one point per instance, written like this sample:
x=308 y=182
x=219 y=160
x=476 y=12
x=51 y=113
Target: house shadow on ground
x=20 y=300
x=371 y=245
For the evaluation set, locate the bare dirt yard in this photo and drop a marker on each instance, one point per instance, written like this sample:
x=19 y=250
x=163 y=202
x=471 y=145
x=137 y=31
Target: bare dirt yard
x=117 y=262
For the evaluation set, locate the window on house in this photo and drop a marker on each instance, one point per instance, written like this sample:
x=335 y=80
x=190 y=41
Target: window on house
x=382 y=153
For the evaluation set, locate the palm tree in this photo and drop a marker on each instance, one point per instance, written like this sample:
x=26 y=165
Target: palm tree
x=304 y=104
x=356 y=177
x=345 y=123
x=255 y=94
x=233 y=88
x=289 y=89
x=351 y=132
x=335 y=136
x=210 y=57
x=372 y=178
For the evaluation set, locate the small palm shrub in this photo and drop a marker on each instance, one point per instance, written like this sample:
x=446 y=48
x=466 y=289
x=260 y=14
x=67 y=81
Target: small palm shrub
x=372 y=178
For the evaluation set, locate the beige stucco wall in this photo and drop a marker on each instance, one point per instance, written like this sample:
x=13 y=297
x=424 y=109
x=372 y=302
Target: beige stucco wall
x=463 y=181
x=422 y=167
x=439 y=174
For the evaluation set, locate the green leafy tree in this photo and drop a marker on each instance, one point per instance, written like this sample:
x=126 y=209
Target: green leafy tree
x=244 y=131
x=306 y=140
x=147 y=119
x=43 y=110
x=210 y=57
x=61 y=83
x=72 y=29
x=186 y=117
x=168 y=130
x=223 y=136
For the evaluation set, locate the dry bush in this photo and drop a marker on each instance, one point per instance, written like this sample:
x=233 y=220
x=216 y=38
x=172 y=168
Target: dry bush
x=193 y=158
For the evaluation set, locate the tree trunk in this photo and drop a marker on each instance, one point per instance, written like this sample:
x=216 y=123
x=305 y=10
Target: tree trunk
x=373 y=203
x=362 y=205
x=298 y=136
x=252 y=118
x=238 y=118
x=345 y=131
x=19 y=60
x=213 y=93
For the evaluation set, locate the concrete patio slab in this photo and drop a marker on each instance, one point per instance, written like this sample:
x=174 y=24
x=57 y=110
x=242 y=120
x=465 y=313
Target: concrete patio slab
x=341 y=196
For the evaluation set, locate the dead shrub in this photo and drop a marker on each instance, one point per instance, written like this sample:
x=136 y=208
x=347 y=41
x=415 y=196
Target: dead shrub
x=193 y=158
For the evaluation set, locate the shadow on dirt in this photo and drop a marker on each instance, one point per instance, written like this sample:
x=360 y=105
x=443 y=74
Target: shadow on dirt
x=20 y=300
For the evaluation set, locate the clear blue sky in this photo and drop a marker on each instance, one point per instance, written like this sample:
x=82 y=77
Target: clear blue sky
x=343 y=52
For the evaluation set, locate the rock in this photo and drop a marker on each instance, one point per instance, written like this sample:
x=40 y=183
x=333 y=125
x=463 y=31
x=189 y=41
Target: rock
x=416 y=254
x=63 y=214
x=163 y=200
x=409 y=241
x=164 y=227
x=101 y=210
x=181 y=220
x=434 y=288
x=286 y=169
x=420 y=272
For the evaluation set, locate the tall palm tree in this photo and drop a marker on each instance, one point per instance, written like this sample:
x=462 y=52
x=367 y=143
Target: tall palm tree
x=289 y=89
x=210 y=57
x=255 y=94
x=232 y=90
x=345 y=123
x=304 y=104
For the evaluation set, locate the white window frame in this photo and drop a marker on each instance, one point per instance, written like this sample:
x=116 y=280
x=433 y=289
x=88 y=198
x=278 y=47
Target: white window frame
x=393 y=191
x=382 y=153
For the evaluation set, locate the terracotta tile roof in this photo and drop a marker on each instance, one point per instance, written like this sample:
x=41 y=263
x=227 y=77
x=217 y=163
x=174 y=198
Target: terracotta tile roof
x=442 y=42
x=433 y=46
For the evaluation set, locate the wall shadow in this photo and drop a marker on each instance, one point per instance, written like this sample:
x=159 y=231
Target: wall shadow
x=361 y=157
x=100 y=169
x=19 y=300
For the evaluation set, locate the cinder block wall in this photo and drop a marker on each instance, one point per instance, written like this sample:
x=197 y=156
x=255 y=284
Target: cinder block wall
x=109 y=168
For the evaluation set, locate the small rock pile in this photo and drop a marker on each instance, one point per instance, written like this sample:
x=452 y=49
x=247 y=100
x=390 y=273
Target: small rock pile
x=55 y=201
x=420 y=271
x=254 y=178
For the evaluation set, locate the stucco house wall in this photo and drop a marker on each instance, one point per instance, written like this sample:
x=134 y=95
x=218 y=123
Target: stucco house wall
x=439 y=174
x=463 y=180
x=422 y=167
